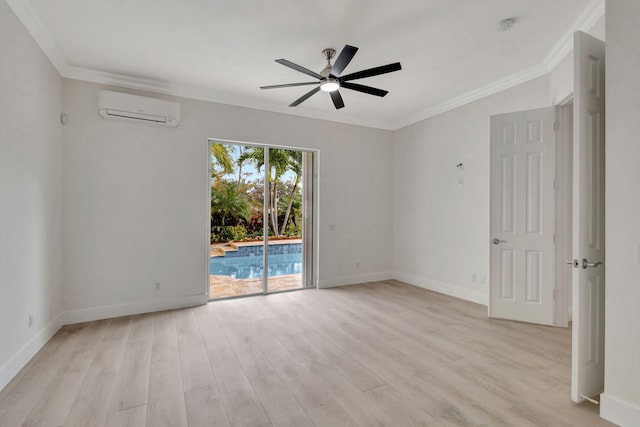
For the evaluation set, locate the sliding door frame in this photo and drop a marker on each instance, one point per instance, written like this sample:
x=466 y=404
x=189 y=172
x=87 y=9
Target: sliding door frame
x=311 y=244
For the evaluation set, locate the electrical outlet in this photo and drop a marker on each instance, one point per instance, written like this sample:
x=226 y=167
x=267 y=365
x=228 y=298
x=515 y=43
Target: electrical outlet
x=30 y=320
x=482 y=280
x=474 y=277
x=157 y=285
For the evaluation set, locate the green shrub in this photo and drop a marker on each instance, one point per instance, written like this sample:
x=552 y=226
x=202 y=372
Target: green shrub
x=293 y=230
x=227 y=233
x=239 y=232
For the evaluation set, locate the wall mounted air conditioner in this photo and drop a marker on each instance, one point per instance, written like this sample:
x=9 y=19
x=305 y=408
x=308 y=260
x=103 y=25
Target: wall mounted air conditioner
x=140 y=108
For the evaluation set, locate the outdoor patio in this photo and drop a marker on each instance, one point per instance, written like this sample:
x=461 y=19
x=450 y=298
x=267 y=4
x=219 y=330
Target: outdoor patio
x=226 y=286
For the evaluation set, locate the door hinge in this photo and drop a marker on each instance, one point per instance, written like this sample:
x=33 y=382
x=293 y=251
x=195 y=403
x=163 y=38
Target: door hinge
x=554 y=238
x=556 y=126
x=555 y=294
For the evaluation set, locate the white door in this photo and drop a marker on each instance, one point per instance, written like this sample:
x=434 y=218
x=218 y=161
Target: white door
x=522 y=216
x=587 y=367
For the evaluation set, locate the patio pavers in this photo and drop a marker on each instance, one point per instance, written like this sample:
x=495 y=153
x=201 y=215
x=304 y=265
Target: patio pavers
x=225 y=286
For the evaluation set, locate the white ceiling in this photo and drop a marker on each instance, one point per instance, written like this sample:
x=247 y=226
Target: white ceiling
x=451 y=50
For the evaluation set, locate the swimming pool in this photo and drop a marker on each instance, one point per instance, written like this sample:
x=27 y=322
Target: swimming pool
x=247 y=262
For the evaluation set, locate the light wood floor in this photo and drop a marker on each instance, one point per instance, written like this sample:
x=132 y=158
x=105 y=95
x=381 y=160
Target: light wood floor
x=366 y=355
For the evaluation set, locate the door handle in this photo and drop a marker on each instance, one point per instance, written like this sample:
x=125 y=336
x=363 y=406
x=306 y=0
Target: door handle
x=586 y=263
x=497 y=241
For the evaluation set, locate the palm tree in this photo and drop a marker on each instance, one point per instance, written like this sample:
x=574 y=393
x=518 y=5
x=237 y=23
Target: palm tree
x=241 y=150
x=295 y=210
x=295 y=165
x=279 y=164
x=229 y=204
x=221 y=161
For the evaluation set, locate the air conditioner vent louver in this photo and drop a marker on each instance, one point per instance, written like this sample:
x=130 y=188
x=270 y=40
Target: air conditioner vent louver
x=132 y=107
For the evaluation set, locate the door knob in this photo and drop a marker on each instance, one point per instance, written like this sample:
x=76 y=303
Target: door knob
x=574 y=262
x=497 y=241
x=586 y=263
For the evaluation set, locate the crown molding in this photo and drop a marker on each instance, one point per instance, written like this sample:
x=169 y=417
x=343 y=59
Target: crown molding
x=475 y=95
x=29 y=18
x=585 y=22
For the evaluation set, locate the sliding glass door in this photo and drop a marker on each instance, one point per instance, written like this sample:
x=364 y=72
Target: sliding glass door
x=261 y=221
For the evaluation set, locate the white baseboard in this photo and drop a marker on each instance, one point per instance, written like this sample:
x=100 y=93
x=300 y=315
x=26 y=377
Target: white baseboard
x=354 y=279
x=444 y=288
x=623 y=413
x=24 y=355
x=109 y=311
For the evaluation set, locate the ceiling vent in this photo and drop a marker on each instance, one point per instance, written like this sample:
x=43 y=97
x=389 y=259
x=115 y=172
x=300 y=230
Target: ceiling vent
x=139 y=108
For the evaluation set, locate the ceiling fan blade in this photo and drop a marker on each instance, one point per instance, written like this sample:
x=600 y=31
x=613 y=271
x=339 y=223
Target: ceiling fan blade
x=337 y=99
x=366 y=89
x=299 y=68
x=372 y=72
x=288 y=85
x=343 y=60
x=305 y=97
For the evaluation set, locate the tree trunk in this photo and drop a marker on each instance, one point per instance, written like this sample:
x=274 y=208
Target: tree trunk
x=274 y=207
x=286 y=215
x=239 y=170
x=239 y=177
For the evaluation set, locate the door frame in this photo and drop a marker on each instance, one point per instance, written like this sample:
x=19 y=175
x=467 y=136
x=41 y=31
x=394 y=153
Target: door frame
x=564 y=210
x=310 y=278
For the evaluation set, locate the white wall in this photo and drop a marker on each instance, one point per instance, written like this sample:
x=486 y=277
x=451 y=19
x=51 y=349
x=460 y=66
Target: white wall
x=135 y=201
x=621 y=400
x=441 y=229
x=30 y=196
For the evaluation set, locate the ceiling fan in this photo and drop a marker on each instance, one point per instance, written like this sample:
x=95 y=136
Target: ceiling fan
x=330 y=79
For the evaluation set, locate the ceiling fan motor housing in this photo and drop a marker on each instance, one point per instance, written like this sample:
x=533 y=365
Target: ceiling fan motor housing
x=328 y=54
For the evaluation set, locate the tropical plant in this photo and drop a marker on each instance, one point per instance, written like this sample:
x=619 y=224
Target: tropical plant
x=295 y=165
x=228 y=206
x=227 y=233
x=221 y=161
x=280 y=162
x=255 y=227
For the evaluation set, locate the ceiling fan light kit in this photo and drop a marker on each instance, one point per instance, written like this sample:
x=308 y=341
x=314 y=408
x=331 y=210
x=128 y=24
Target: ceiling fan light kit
x=330 y=79
x=330 y=85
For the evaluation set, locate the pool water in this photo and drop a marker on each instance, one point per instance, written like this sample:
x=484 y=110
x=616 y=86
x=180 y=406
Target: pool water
x=250 y=266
